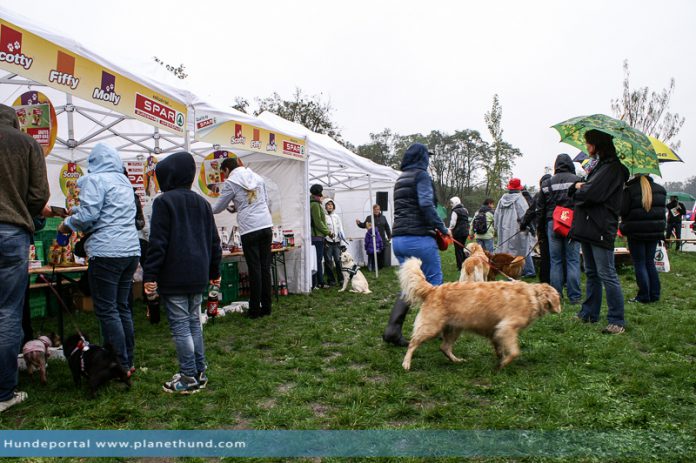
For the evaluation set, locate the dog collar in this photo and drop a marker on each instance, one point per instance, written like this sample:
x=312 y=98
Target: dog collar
x=352 y=271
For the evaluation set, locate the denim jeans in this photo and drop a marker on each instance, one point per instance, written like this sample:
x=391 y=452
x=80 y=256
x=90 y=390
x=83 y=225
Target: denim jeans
x=257 y=253
x=423 y=247
x=565 y=261
x=529 y=270
x=647 y=278
x=318 y=278
x=14 y=256
x=332 y=263
x=600 y=270
x=110 y=280
x=183 y=313
x=486 y=244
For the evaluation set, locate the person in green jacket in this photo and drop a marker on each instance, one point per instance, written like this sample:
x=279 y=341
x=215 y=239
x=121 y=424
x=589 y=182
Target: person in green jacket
x=484 y=234
x=319 y=231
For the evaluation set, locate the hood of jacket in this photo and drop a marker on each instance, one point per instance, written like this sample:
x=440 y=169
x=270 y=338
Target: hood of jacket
x=104 y=158
x=455 y=201
x=245 y=177
x=508 y=199
x=563 y=164
x=8 y=117
x=176 y=171
x=415 y=157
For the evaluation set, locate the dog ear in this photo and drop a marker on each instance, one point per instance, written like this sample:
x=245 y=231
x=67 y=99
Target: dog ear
x=549 y=299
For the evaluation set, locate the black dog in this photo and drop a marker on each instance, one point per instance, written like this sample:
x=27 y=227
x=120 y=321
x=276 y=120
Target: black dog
x=98 y=364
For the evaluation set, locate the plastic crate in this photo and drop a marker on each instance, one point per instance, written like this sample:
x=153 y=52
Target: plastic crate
x=230 y=292
x=229 y=271
x=37 y=303
x=52 y=224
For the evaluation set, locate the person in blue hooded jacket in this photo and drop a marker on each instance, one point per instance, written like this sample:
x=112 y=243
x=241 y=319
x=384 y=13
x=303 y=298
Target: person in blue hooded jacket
x=415 y=225
x=107 y=212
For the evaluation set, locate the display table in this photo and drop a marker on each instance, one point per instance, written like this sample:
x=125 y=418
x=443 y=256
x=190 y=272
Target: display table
x=56 y=277
x=278 y=257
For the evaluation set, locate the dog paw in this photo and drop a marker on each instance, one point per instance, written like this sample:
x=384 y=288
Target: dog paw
x=406 y=365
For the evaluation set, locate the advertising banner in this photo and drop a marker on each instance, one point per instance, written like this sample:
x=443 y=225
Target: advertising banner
x=150 y=180
x=69 y=174
x=136 y=175
x=210 y=178
x=38 y=59
x=37 y=117
x=212 y=129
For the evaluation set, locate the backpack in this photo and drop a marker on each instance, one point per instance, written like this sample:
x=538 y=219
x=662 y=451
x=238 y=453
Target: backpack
x=480 y=224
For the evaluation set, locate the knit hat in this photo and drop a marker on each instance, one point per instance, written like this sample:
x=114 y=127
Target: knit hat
x=316 y=189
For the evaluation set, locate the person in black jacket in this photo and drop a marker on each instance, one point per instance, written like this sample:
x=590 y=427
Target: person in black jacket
x=384 y=231
x=415 y=222
x=535 y=221
x=564 y=252
x=459 y=227
x=183 y=257
x=675 y=211
x=643 y=222
x=595 y=222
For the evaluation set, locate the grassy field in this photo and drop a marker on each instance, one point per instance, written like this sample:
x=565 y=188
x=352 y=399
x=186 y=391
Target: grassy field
x=319 y=363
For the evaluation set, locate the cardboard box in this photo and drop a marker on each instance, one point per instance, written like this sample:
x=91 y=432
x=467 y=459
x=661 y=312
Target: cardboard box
x=137 y=290
x=82 y=302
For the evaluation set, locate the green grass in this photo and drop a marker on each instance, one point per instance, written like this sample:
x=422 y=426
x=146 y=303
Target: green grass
x=319 y=363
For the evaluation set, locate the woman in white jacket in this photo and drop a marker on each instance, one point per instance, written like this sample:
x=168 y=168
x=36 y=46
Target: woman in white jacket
x=332 y=244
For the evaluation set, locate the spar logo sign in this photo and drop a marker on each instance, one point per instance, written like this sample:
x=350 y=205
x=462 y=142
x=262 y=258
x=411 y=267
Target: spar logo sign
x=160 y=112
x=11 y=48
x=205 y=121
x=107 y=91
x=293 y=149
x=64 y=73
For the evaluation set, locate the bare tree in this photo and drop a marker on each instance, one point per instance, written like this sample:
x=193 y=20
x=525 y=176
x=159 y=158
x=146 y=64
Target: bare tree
x=647 y=110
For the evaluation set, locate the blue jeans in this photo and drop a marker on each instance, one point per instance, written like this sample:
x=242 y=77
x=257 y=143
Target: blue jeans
x=110 y=279
x=486 y=244
x=565 y=260
x=647 y=278
x=423 y=247
x=318 y=278
x=600 y=270
x=14 y=256
x=183 y=313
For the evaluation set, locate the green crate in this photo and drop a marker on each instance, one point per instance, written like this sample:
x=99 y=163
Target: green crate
x=230 y=292
x=229 y=271
x=37 y=303
x=52 y=223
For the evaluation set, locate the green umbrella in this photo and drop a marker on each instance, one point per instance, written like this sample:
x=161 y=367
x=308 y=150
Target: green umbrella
x=681 y=196
x=632 y=146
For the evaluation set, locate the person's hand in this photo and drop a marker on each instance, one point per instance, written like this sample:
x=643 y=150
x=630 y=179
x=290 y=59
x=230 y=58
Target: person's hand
x=579 y=185
x=357 y=221
x=150 y=287
x=215 y=282
x=331 y=235
x=46 y=211
x=64 y=229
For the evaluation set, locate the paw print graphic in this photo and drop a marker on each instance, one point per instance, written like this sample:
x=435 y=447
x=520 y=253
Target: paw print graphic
x=10 y=47
x=17 y=45
x=110 y=88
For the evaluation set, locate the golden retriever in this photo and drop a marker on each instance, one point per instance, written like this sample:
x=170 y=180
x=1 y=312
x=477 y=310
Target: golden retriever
x=504 y=263
x=497 y=310
x=475 y=267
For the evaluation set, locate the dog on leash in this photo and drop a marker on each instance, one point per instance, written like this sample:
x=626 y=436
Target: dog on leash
x=352 y=274
x=35 y=353
x=506 y=263
x=475 y=267
x=498 y=310
x=97 y=364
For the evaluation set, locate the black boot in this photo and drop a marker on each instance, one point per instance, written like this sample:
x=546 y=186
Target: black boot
x=392 y=333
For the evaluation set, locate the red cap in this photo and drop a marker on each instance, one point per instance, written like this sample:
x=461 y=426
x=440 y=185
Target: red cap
x=515 y=184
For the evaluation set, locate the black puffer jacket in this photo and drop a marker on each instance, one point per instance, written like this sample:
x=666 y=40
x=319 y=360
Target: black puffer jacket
x=414 y=197
x=636 y=223
x=598 y=203
x=461 y=227
x=554 y=192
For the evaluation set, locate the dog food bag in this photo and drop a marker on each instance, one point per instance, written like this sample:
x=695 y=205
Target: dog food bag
x=55 y=254
x=66 y=255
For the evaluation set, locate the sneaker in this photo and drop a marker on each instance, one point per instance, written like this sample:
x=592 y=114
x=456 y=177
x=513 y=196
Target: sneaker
x=181 y=384
x=613 y=329
x=202 y=379
x=17 y=397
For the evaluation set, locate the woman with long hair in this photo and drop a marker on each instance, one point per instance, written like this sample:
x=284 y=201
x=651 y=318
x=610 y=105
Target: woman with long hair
x=643 y=224
x=595 y=223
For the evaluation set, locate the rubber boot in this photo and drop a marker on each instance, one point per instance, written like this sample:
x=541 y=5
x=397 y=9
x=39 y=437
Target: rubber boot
x=392 y=333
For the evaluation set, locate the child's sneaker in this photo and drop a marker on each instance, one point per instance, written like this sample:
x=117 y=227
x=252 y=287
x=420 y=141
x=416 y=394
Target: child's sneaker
x=17 y=397
x=202 y=379
x=181 y=384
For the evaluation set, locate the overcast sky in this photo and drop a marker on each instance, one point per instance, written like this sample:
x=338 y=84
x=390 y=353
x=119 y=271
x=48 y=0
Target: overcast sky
x=412 y=66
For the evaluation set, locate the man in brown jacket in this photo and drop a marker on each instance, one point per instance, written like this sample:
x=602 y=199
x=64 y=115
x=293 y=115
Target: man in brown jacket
x=23 y=195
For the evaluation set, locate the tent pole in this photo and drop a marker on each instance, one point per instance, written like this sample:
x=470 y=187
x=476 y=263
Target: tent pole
x=374 y=227
x=70 y=109
x=307 y=284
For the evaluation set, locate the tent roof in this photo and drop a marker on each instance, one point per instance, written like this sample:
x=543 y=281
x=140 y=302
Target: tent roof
x=332 y=164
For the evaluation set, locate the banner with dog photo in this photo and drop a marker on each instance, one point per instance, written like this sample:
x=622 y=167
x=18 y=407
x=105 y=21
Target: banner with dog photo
x=69 y=174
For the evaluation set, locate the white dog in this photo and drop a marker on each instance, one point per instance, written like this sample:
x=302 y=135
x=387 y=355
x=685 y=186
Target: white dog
x=353 y=275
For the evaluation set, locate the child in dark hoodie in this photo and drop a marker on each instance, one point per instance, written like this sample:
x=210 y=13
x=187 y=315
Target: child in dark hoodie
x=183 y=257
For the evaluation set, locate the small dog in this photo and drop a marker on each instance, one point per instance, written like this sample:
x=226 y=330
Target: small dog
x=352 y=274
x=475 y=267
x=35 y=353
x=98 y=364
x=497 y=310
x=506 y=263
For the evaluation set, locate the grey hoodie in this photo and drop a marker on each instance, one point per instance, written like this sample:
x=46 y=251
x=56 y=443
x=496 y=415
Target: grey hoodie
x=247 y=191
x=506 y=220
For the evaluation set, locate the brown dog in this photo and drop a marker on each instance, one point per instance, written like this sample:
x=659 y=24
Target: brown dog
x=497 y=310
x=475 y=267
x=506 y=263
x=35 y=353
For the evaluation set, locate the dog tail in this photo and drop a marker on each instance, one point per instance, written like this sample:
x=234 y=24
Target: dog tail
x=414 y=287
